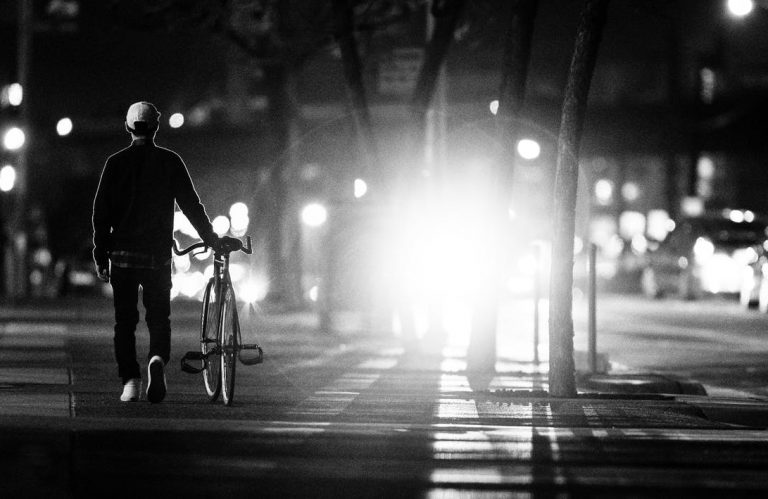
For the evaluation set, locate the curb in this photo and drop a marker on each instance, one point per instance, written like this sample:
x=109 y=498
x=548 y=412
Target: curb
x=637 y=383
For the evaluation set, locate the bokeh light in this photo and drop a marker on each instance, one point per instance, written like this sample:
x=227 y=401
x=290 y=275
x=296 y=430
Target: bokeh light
x=7 y=178
x=220 y=225
x=14 y=138
x=314 y=215
x=176 y=120
x=528 y=149
x=741 y=8
x=361 y=188
x=64 y=127
x=15 y=94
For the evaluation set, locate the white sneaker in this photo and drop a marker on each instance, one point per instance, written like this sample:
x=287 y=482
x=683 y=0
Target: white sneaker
x=156 y=383
x=131 y=390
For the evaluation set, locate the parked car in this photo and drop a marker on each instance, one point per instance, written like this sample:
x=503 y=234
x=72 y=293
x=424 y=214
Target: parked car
x=75 y=275
x=753 y=279
x=754 y=289
x=703 y=255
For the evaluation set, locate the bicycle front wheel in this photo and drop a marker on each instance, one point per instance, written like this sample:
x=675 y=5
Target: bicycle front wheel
x=209 y=341
x=230 y=332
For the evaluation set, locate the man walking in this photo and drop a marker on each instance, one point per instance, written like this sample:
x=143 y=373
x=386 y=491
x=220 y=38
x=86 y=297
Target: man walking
x=133 y=230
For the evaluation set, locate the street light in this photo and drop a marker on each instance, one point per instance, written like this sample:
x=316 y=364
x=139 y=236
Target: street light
x=360 y=188
x=740 y=8
x=220 y=225
x=238 y=217
x=64 y=127
x=7 y=178
x=238 y=210
x=12 y=94
x=528 y=149
x=604 y=191
x=13 y=138
x=314 y=215
x=176 y=120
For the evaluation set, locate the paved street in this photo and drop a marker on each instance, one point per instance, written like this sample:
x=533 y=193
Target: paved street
x=714 y=341
x=349 y=415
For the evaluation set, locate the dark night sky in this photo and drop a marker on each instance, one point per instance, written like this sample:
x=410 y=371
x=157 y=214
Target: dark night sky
x=99 y=70
x=102 y=68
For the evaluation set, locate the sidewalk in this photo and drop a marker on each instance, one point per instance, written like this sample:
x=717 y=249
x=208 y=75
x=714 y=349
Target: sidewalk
x=36 y=372
x=353 y=415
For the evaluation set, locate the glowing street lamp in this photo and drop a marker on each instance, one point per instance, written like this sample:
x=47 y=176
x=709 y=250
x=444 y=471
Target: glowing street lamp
x=314 y=215
x=176 y=120
x=740 y=8
x=220 y=225
x=528 y=149
x=12 y=94
x=7 y=178
x=14 y=138
x=361 y=188
x=238 y=210
x=604 y=191
x=64 y=127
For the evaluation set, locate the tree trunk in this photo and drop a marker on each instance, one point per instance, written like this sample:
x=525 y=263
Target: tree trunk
x=481 y=354
x=281 y=114
x=562 y=382
x=514 y=73
x=446 y=19
x=353 y=73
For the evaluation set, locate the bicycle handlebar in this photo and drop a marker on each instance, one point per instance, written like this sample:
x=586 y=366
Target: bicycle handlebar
x=230 y=245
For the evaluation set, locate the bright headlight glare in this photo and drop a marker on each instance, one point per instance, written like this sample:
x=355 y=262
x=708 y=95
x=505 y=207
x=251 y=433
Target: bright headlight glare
x=703 y=249
x=238 y=210
x=252 y=290
x=314 y=215
x=220 y=225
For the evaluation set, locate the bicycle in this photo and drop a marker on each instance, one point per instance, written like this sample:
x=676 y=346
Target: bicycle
x=220 y=339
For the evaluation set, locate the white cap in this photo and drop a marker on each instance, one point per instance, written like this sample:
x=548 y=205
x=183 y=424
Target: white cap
x=142 y=117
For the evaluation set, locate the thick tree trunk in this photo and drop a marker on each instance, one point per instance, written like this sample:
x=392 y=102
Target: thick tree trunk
x=562 y=382
x=353 y=73
x=447 y=16
x=514 y=73
x=481 y=354
x=281 y=116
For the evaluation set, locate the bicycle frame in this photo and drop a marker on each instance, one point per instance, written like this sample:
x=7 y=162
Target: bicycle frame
x=221 y=281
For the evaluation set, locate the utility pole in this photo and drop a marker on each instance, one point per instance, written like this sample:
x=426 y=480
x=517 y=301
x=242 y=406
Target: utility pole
x=16 y=252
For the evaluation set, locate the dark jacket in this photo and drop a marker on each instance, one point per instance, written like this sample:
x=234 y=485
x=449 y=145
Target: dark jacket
x=134 y=204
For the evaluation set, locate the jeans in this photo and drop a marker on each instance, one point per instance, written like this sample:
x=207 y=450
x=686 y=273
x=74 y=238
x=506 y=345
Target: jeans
x=156 y=285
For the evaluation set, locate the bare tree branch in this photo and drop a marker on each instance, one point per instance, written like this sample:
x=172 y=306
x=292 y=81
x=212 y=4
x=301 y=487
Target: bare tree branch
x=353 y=72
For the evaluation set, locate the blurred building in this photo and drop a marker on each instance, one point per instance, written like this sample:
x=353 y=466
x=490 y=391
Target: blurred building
x=677 y=111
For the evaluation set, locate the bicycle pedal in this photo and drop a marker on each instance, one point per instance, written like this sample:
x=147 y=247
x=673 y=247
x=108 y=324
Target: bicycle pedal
x=251 y=359
x=191 y=369
x=198 y=356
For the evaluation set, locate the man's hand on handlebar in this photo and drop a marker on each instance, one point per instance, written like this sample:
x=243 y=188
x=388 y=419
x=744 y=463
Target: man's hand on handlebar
x=103 y=272
x=219 y=245
x=226 y=243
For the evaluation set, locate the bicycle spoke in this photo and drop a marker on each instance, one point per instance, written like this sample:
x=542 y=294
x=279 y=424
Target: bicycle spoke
x=209 y=342
x=229 y=332
x=220 y=336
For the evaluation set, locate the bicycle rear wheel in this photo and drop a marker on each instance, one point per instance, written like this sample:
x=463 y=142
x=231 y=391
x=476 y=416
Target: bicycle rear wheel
x=230 y=332
x=209 y=339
